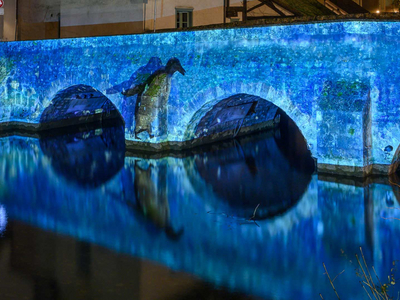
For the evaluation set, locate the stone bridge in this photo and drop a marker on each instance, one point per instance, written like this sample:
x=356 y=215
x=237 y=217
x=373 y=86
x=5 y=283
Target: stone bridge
x=336 y=80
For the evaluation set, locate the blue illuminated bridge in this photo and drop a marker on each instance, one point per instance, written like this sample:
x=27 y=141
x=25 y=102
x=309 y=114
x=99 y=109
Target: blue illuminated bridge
x=338 y=81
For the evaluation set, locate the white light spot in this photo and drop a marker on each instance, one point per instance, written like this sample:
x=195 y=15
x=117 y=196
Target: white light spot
x=320 y=228
x=3 y=219
x=319 y=116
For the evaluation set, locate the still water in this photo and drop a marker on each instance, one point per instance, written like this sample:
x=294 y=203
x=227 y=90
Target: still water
x=82 y=219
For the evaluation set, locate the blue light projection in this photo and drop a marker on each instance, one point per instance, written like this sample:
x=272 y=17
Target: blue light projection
x=173 y=211
x=3 y=219
x=336 y=80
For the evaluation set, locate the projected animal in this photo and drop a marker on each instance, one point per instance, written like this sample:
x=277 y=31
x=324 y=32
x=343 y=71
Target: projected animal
x=152 y=100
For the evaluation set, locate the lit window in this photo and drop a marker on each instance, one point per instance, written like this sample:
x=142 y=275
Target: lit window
x=184 y=18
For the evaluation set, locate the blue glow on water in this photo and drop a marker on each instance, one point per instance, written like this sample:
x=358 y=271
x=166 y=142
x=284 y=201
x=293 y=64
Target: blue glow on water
x=324 y=76
x=3 y=219
x=184 y=212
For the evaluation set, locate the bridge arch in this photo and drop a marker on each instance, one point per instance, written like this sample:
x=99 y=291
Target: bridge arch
x=206 y=100
x=239 y=159
x=228 y=116
x=78 y=104
x=395 y=163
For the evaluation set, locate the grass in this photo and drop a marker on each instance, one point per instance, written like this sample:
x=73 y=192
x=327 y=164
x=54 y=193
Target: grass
x=373 y=288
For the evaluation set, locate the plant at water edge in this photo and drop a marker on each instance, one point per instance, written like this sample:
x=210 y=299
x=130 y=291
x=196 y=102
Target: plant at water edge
x=373 y=288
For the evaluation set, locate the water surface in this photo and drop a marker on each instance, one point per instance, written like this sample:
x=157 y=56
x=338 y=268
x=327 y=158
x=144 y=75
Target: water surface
x=82 y=220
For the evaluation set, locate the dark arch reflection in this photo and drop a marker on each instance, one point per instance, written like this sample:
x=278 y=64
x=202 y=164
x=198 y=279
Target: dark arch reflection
x=272 y=169
x=88 y=157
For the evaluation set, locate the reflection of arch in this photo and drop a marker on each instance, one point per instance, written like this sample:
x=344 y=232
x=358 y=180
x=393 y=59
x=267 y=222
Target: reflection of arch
x=88 y=158
x=236 y=175
x=78 y=104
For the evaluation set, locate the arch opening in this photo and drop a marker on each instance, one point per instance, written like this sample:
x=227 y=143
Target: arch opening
x=394 y=172
x=394 y=175
x=78 y=104
x=268 y=162
x=239 y=115
x=233 y=116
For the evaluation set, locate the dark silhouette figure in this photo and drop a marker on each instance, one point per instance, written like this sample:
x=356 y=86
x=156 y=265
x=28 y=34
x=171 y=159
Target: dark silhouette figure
x=137 y=78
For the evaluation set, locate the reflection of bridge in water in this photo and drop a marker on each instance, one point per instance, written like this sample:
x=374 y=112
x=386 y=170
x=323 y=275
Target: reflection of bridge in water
x=186 y=212
x=335 y=80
